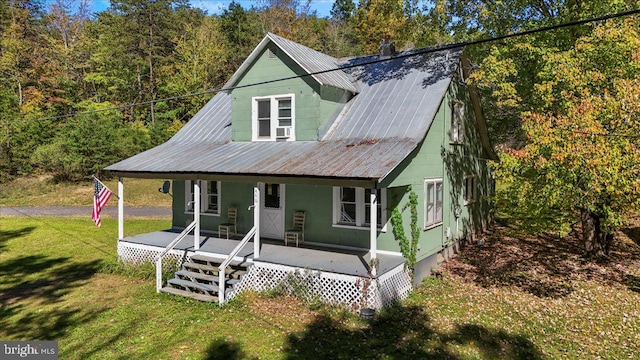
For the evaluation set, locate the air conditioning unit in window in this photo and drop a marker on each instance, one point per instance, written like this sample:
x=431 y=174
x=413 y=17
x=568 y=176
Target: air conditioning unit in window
x=283 y=132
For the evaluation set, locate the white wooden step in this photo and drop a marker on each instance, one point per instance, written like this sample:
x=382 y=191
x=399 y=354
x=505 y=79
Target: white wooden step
x=204 y=278
x=203 y=259
x=189 y=294
x=193 y=285
x=212 y=271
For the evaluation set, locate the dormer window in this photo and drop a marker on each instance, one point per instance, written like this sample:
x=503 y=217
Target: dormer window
x=273 y=118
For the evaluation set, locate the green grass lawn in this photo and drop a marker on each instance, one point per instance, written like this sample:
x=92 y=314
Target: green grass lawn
x=43 y=191
x=511 y=299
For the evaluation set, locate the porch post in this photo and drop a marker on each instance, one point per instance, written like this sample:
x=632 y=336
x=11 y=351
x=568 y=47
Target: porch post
x=120 y=208
x=256 y=221
x=373 y=229
x=196 y=215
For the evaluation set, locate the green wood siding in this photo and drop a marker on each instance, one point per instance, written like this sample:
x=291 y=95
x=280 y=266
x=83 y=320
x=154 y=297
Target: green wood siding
x=316 y=108
x=238 y=195
x=314 y=104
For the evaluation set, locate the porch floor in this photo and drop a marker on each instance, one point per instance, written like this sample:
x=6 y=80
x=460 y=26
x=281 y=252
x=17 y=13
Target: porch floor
x=327 y=259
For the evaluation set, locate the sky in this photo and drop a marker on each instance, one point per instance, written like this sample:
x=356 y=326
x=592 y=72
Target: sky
x=322 y=7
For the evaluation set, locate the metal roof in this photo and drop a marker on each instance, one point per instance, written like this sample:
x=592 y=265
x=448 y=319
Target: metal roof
x=373 y=134
x=309 y=60
x=398 y=99
x=341 y=159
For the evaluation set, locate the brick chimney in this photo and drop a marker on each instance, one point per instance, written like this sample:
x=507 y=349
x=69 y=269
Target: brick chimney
x=387 y=48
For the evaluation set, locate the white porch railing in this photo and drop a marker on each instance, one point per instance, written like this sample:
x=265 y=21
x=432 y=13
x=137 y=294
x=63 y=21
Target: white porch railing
x=169 y=247
x=223 y=267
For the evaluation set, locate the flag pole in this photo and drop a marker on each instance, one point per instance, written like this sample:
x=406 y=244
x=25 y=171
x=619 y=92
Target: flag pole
x=101 y=183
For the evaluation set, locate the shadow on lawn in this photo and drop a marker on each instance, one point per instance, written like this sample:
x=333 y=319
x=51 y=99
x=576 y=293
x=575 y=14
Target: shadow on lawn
x=54 y=277
x=403 y=332
x=11 y=234
x=41 y=281
x=221 y=349
x=542 y=265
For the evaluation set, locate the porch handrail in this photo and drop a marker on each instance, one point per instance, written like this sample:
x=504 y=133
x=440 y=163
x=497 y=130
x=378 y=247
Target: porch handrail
x=169 y=247
x=223 y=267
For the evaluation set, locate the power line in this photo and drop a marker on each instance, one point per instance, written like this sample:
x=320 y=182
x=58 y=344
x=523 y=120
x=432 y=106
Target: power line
x=350 y=66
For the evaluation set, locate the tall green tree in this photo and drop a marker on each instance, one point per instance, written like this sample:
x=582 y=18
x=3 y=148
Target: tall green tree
x=506 y=73
x=376 y=19
x=240 y=34
x=133 y=40
x=580 y=160
x=199 y=65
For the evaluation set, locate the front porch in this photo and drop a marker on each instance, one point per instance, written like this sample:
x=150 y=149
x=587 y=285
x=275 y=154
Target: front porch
x=331 y=274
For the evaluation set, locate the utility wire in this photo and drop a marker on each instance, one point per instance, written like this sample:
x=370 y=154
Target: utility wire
x=62 y=231
x=409 y=54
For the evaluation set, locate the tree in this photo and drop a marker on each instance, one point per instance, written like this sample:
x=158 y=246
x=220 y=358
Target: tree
x=507 y=72
x=582 y=152
x=133 y=39
x=376 y=19
x=240 y=34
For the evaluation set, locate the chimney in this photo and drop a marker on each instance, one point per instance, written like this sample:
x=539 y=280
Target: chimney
x=387 y=48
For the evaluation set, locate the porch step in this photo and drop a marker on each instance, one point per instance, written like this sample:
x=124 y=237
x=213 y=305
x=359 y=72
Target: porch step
x=208 y=260
x=213 y=270
x=198 y=278
x=189 y=294
x=202 y=278
x=193 y=286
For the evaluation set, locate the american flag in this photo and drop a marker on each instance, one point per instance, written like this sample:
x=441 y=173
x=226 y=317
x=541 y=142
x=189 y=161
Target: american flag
x=101 y=195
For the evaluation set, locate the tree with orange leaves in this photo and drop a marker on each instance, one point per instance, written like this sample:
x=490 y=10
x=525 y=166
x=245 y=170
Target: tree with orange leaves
x=581 y=161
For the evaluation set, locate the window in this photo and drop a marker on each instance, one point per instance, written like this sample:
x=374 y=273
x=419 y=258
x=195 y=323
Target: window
x=432 y=202
x=212 y=204
x=457 y=122
x=209 y=197
x=272 y=196
x=273 y=118
x=352 y=207
x=470 y=189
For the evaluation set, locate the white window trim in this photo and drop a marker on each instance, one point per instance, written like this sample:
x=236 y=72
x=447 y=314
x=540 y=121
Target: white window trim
x=274 y=110
x=457 y=122
x=204 y=198
x=470 y=183
x=436 y=222
x=361 y=222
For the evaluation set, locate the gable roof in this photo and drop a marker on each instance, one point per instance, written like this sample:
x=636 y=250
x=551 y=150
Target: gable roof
x=311 y=61
x=375 y=131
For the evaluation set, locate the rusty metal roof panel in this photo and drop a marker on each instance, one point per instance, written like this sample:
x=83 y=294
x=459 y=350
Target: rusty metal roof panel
x=340 y=159
x=374 y=133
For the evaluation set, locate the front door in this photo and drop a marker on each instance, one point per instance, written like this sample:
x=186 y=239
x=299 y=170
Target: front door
x=272 y=211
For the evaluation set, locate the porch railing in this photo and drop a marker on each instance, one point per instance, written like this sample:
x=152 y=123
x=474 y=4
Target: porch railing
x=223 y=267
x=169 y=247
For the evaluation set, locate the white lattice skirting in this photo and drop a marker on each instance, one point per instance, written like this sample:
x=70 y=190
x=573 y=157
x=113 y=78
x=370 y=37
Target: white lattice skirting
x=138 y=254
x=337 y=289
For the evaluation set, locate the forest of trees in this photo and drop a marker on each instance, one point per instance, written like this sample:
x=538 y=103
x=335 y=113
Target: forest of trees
x=562 y=105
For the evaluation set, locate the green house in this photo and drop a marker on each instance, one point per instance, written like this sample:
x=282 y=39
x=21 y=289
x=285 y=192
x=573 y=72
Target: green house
x=342 y=144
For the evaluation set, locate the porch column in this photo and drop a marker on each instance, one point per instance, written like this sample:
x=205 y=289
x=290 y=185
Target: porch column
x=196 y=214
x=256 y=220
x=373 y=230
x=120 y=208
